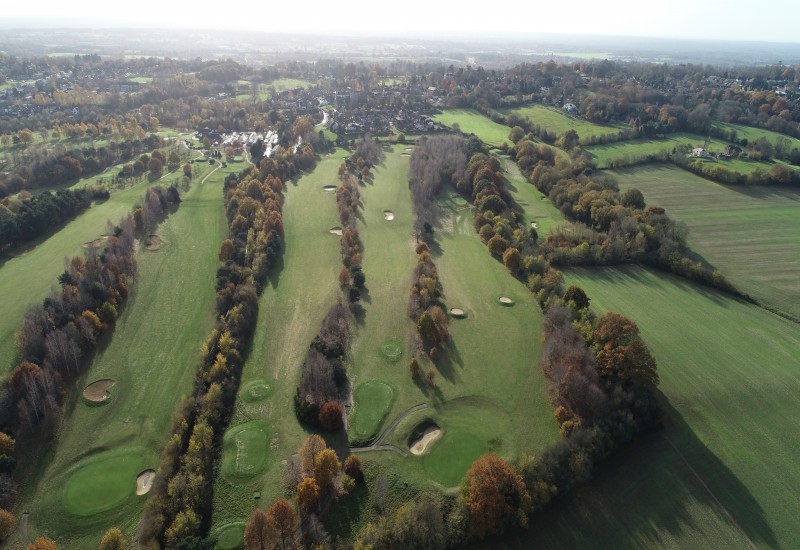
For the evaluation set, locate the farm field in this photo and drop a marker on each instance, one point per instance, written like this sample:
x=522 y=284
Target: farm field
x=295 y=299
x=555 y=120
x=728 y=373
x=751 y=234
x=752 y=133
x=473 y=122
x=88 y=484
x=280 y=85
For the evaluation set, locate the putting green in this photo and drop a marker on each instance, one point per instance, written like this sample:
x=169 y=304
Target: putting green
x=102 y=482
x=392 y=351
x=256 y=390
x=230 y=536
x=372 y=402
x=244 y=450
x=451 y=457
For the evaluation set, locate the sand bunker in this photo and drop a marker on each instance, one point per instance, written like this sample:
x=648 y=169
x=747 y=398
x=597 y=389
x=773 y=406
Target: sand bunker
x=429 y=436
x=534 y=226
x=457 y=313
x=144 y=481
x=97 y=243
x=97 y=391
x=329 y=188
x=506 y=301
x=153 y=242
x=388 y=215
x=335 y=230
x=404 y=155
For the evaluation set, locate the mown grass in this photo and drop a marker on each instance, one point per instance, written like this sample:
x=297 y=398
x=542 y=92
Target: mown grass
x=537 y=207
x=291 y=308
x=152 y=355
x=245 y=450
x=752 y=133
x=729 y=377
x=751 y=234
x=371 y=403
x=452 y=455
x=473 y=122
x=556 y=120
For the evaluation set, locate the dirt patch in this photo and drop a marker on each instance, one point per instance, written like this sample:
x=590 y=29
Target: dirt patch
x=97 y=243
x=388 y=215
x=329 y=188
x=97 y=392
x=153 y=242
x=506 y=301
x=144 y=482
x=429 y=436
x=335 y=230
x=458 y=313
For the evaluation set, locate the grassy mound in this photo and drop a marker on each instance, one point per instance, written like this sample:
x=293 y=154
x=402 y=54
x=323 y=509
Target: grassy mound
x=230 y=536
x=102 y=482
x=244 y=450
x=372 y=402
x=256 y=390
x=450 y=459
x=392 y=351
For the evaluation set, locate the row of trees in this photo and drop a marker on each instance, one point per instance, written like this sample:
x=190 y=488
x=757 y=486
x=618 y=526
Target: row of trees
x=180 y=505
x=28 y=217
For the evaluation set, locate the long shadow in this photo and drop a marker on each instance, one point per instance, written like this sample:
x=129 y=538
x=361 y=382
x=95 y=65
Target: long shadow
x=648 y=494
x=447 y=361
x=274 y=274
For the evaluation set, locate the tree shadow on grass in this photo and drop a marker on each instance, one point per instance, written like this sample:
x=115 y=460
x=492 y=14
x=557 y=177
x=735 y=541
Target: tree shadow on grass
x=447 y=361
x=649 y=494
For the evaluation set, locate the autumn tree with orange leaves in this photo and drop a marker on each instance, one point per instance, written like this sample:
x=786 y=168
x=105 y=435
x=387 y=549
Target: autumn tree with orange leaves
x=495 y=496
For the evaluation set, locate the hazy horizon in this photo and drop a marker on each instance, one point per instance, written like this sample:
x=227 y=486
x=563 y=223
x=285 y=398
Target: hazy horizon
x=682 y=19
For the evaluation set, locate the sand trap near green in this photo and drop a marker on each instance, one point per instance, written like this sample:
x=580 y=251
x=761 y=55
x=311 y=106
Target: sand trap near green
x=102 y=482
x=244 y=450
x=451 y=457
x=372 y=402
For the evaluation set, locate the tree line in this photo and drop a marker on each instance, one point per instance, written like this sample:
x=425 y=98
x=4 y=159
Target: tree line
x=180 y=505
x=30 y=216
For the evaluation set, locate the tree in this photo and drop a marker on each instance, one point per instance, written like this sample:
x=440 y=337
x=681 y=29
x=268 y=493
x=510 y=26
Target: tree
x=313 y=445
x=633 y=198
x=577 y=296
x=43 y=543
x=174 y=160
x=187 y=170
x=225 y=250
x=7 y=524
x=259 y=534
x=326 y=467
x=7 y=444
x=330 y=416
x=497 y=245
x=512 y=259
x=353 y=467
x=283 y=519
x=621 y=353
x=307 y=494
x=495 y=496
x=155 y=166
x=112 y=540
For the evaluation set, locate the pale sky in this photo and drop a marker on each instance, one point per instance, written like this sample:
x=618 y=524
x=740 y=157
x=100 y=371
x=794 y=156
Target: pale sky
x=773 y=21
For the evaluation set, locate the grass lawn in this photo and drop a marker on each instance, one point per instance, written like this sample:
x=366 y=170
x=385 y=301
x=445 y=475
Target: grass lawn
x=293 y=303
x=245 y=452
x=231 y=536
x=451 y=457
x=535 y=204
x=556 y=120
x=751 y=234
x=152 y=355
x=372 y=402
x=729 y=374
x=473 y=122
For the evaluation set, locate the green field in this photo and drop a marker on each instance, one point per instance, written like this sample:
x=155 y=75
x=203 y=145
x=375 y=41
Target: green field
x=752 y=134
x=472 y=122
x=88 y=483
x=280 y=85
x=372 y=402
x=452 y=455
x=751 y=234
x=556 y=120
x=244 y=450
x=537 y=207
x=291 y=308
x=729 y=376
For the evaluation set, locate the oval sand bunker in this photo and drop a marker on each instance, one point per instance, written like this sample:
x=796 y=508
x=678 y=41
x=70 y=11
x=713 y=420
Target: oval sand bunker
x=335 y=230
x=153 y=242
x=144 y=482
x=506 y=301
x=388 y=215
x=458 y=313
x=429 y=436
x=97 y=392
x=329 y=188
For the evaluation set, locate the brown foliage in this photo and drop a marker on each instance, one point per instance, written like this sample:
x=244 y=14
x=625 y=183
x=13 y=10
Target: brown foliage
x=326 y=467
x=307 y=494
x=283 y=519
x=112 y=540
x=331 y=416
x=259 y=533
x=495 y=496
x=7 y=444
x=353 y=467
x=308 y=451
x=7 y=524
x=621 y=353
x=42 y=543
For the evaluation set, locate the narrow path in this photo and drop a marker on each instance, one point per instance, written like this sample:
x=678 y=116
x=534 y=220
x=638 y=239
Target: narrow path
x=711 y=494
x=379 y=445
x=217 y=167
